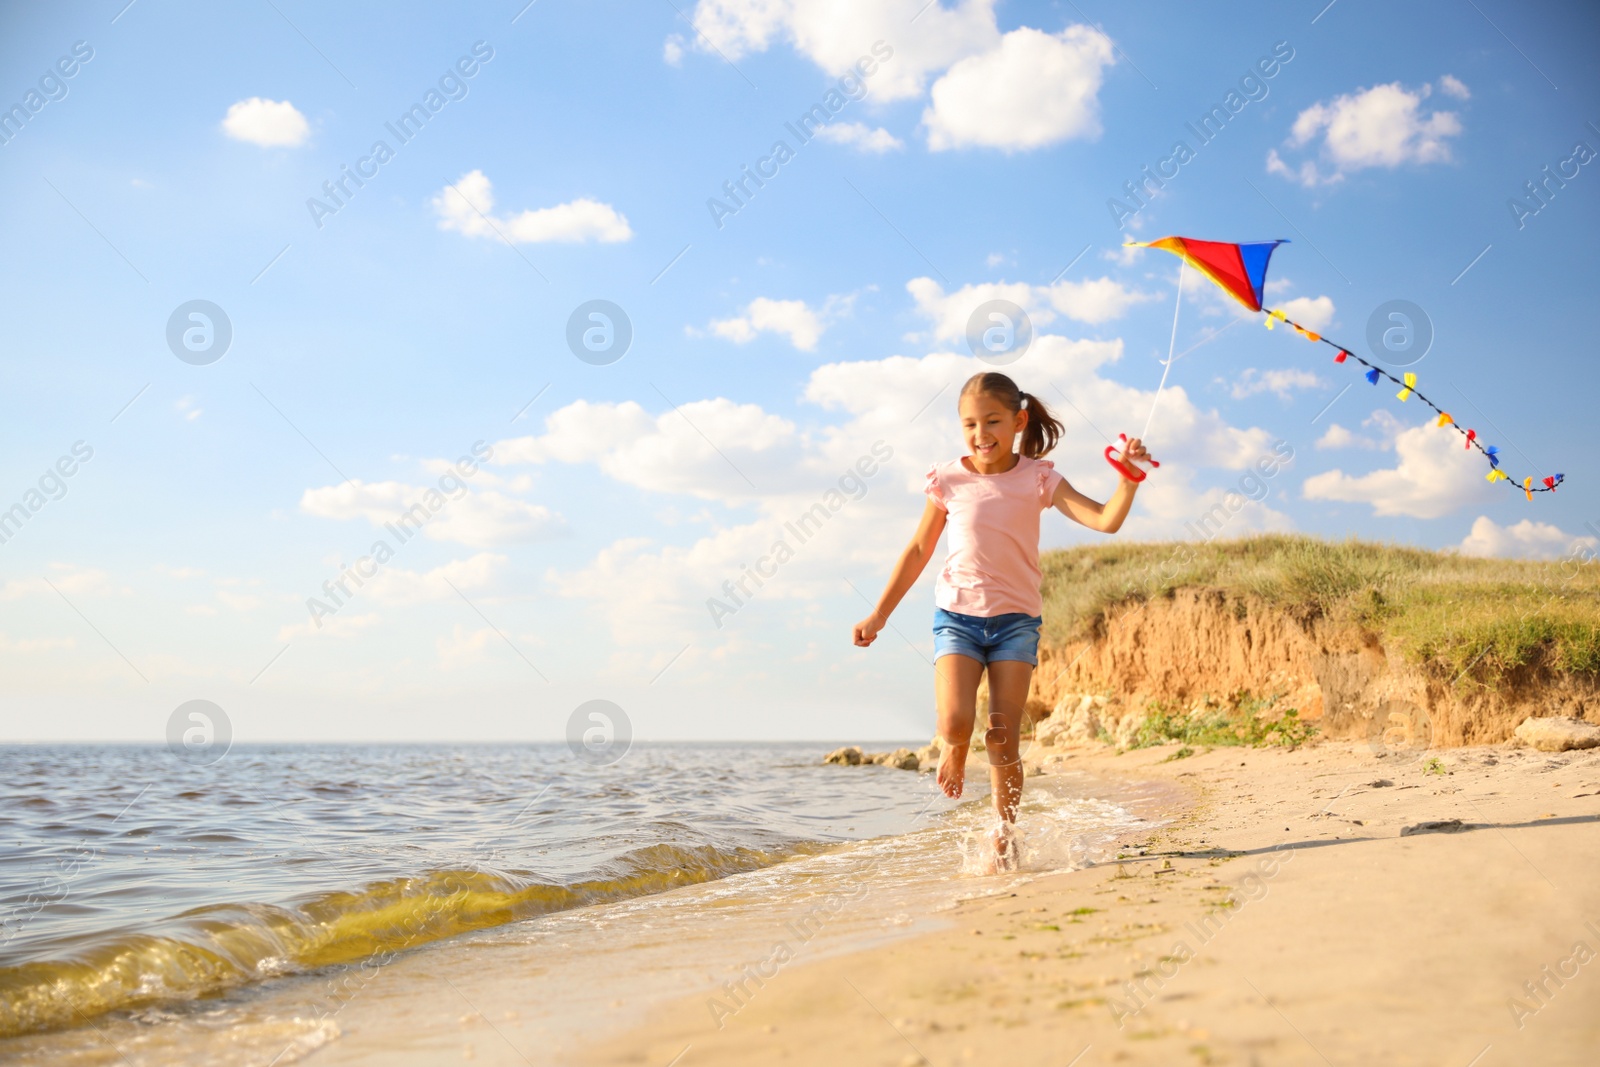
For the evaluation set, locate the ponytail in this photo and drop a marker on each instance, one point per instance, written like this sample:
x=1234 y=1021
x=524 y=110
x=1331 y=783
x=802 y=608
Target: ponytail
x=1042 y=430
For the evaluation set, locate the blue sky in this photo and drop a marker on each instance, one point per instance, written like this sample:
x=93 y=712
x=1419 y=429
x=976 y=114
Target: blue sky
x=769 y=354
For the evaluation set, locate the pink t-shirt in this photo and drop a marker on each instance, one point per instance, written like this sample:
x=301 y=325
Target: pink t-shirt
x=993 y=530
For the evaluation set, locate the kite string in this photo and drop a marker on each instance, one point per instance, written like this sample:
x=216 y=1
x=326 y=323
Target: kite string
x=1172 y=345
x=1471 y=439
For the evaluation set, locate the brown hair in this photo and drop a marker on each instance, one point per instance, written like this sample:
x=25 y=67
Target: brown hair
x=1041 y=432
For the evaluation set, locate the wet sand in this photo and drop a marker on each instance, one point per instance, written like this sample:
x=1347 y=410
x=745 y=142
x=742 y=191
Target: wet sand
x=1288 y=914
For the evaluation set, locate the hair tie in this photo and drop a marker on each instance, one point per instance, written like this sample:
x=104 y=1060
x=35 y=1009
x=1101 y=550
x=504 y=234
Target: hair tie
x=1024 y=401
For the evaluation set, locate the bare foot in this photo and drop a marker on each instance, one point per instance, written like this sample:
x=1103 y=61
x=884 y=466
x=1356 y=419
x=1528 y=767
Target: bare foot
x=1004 y=840
x=953 y=770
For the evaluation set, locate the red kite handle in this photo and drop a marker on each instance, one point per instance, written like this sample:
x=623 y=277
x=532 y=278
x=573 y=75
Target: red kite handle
x=1127 y=469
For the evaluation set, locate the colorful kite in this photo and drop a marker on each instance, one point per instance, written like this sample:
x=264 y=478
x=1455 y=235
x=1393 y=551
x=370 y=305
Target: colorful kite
x=1240 y=270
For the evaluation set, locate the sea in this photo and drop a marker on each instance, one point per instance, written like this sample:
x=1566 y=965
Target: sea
x=313 y=901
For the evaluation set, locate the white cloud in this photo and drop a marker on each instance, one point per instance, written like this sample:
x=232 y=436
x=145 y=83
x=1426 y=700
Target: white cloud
x=713 y=449
x=1387 y=428
x=1282 y=382
x=1122 y=255
x=1033 y=89
x=1384 y=126
x=672 y=50
x=792 y=318
x=1019 y=90
x=481 y=519
x=1450 y=85
x=948 y=312
x=68 y=579
x=1094 y=301
x=29 y=646
x=921 y=39
x=1315 y=313
x=1523 y=540
x=394 y=586
x=238 y=601
x=463 y=648
x=1336 y=436
x=1306 y=174
x=269 y=123
x=1432 y=478
x=341 y=625
x=468 y=208
x=867 y=138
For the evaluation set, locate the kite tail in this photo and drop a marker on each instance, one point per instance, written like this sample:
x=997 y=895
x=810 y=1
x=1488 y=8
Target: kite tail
x=1408 y=389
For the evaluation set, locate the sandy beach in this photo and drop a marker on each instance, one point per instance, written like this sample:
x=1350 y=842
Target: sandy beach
x=1315 y=906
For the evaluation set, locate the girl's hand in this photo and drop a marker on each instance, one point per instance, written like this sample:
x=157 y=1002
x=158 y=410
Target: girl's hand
x=1134 y=451
x=866 y=630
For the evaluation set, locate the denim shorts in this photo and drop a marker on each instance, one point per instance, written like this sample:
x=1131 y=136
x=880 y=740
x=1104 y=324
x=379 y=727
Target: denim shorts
x=1003 y=637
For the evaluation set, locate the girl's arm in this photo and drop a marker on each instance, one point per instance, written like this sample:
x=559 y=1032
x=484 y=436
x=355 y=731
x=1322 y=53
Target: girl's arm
x=1107 y=517
x=906 y=571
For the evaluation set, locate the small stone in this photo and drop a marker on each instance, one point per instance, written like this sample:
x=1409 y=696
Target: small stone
x=1558 y=733
x=903 y=759
x=849 y=756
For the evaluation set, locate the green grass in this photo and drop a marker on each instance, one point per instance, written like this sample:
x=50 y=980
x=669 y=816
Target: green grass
x=1245 y=720
x=1486 y=617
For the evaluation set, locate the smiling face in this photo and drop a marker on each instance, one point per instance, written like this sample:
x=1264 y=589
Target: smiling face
x=990 y=430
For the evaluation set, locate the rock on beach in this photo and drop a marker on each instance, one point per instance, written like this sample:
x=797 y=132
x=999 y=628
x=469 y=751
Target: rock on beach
x=1557 y=733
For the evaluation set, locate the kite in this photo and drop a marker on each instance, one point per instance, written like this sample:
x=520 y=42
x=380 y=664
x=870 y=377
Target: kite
x=1240 y=270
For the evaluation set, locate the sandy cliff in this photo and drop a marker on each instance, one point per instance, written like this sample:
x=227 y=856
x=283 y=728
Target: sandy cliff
x=1201 y=643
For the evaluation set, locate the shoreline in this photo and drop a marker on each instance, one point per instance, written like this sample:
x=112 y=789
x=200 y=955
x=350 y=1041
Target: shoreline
x=1235 y=906
x=1294 y=912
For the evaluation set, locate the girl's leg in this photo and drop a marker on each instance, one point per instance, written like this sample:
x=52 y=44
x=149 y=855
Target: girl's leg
x=956 y=691
x=1008 y=692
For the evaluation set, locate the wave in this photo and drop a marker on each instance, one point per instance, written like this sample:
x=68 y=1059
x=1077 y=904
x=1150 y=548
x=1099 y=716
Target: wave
x=208 y=950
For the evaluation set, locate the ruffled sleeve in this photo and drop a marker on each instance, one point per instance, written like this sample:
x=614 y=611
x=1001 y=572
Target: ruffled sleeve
x=1049 y=478
x=933 y=490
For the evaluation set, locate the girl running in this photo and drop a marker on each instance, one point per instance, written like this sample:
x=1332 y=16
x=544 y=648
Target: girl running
x=988 y=592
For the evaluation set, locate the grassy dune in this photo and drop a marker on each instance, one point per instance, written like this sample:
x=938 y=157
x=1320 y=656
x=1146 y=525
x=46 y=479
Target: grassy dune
x=1486 y=616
